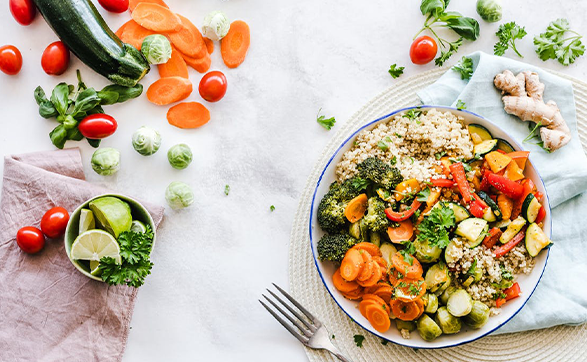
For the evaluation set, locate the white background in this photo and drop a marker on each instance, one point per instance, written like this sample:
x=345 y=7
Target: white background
x=213 y=261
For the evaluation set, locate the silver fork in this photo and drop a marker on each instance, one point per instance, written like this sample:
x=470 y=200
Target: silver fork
x=310 y=331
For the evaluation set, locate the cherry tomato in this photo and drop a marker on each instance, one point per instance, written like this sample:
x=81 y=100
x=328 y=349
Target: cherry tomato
x=54 y=222
x=10 y=59
x=30 y=239
x=97 y=126
x=55 y=58
x=213 y=86
x=114 y=6
x=23 y=11
x=423 y=50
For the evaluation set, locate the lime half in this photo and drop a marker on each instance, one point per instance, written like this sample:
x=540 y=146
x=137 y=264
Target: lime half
x=94 y=267
x=86 y=221
x=112 y=214
x=94 y=245
x=138 y=227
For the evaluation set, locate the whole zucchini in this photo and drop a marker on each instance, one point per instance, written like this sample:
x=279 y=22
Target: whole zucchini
x=79 y=25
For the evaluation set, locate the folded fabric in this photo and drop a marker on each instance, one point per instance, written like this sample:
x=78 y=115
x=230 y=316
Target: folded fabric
x=49 y=311
x=557 y=300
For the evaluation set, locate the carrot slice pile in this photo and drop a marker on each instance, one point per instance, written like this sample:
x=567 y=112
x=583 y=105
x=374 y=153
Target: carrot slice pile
x=120 y=30
x=132 y=4
x=412 y=271
x=202 y=65
x=368 y=247
x=188 y=39
x=188 y=115
x=175 y=66
x=156 y=18
x=169 y=90
x=134 y=34
x=209 y=45
x=235 y=45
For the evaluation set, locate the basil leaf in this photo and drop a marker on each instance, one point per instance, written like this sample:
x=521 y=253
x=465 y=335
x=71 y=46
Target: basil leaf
x=60 y=98
x=117 y=94
x=107 y=97
x=466 y=27
x=80 y=83
x=86 y=100
x=47 y=110
x=74 y=134
x=40 y=95
x=58 y=136
x=69 y=122
x=95 y=110
x=450 y=15
x=94 y=143
x=432 y=7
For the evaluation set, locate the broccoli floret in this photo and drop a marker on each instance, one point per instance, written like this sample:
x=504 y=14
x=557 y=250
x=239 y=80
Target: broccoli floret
x=334 y=247
x=331 y=216
x=376 y=220
x=380 y=172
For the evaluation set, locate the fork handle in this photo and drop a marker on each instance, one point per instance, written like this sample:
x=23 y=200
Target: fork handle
x=340 y=356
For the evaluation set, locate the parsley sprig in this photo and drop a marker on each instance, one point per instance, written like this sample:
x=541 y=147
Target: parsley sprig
x=507 y=34
x=327 y=123
x=407 y=252
x=396 y=71
x=464 y=67
x=435 y=227
x=552 y=44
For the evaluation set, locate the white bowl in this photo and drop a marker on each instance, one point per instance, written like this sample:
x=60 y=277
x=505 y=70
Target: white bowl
x=527 y=283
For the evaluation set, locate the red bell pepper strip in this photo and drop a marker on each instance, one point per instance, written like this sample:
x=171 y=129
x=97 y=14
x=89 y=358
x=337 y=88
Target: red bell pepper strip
x=458 y=174
x=402 y=215
x=504 y=249
x=541 y=215
x=442 y=182
x=491 y=239
x=512 y=292
x=499 y=302
x=508 y=187
x=484 y=183
x=538 y=195
x=477 y=207
x=528 y=187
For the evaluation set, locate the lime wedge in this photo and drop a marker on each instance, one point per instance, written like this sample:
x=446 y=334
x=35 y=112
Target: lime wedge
x=86 y=221
x=112 y=214
x=94 y=268
x=138 y=227
x=94 y=245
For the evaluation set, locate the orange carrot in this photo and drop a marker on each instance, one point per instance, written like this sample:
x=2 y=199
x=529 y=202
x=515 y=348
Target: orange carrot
x=356 y=208
x=411 y=289
x=169 y=90
x=352 y=265
x=342 y=285
x=235 y=44
x=405 y=311
x=373 y=298
x=134 y=34
x=121 y=29
x=188 y=39
x=209 y=45
x=373 y=289
x=156 y=18
x=413 y=271
x=132 y=4
x=188 y=115
x=355 y=294
x=385 y=293
x=367 y=271
x=202 y=65
x=403 y=232
x=379 y=260
x=368 y=247
x=364 y=304
x=378 y=316
x=375 y=277
x=175 y=66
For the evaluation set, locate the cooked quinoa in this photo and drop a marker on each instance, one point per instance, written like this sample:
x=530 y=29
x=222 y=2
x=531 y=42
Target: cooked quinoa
x=413 y=145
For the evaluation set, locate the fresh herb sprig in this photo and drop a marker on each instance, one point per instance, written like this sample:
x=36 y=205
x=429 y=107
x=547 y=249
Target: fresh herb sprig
x=435 y=227
x=464 y=67
x=553 y=44
x=396 y=71
x=507 y=34
x=327 y=123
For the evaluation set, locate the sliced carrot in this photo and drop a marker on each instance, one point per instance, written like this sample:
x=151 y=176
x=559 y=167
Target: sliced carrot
x=411 y=289
x=132 y=4
x=506 y=205
x=175 y=66
x=367 y=266
x=379 y=260
x=169 y=90
x=188 y=39
x=364 y=304
x=385 y=293
x=413 y=271
x=188 y=115
x=156 y=18
x=235 y=44
x=342 y=285
x=403 y=232
x=405 y=311
x=134 y=34
x=355 y=294
x=420 y=304
x=406 y=187
x=368 y=247
x=356 y=208
x=378 y=316
x=373 y=289
x=121 y=29
x=352 y=265
x=202 y=65
x=209 y=45
x=375 y=277
x=374 y=298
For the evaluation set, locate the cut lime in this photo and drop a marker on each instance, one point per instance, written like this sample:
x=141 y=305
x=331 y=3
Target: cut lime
x=94 y=268
x=138 y=227
x=94 y=245
x=86 y=221
x=112 y=214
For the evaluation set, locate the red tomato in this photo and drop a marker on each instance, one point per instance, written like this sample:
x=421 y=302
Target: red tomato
x=97 y=126
x=114 y=6
x=23 y=11
x=10 y=59
x=213 y=86
x=30 y=239
x=54 y=222
x=423 y=50
x=55 y=58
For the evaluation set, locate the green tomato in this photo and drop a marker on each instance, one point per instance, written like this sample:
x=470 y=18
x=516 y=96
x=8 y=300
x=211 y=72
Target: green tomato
x=179 y=195
x=106 y=161
x=146 y=141
x=180 y=156
x=156 y=48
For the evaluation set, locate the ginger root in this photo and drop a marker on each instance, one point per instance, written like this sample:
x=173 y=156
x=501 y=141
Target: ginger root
x=523 y=98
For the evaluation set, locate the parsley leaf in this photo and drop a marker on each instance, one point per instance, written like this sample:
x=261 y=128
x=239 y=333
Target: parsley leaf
x=407 y=252
x=461 y=105
x=226 y=190
x=445 y=54
x=393 y=160
x=465 y=67
x=272 y=208
x=423 y=195
x=434 y=229
x=359 y=183
x=412 y=114
x=552 y=44
x=383 y=146
x=327 y=123
x=472 y=269
x=359 y=340
x=396 y=71
x=507 y=34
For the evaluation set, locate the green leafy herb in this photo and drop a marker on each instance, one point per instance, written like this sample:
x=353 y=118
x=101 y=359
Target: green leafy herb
x=359 y=340
x=359 y=183
x=435 y=227
x=553 y=44
x=226 y=190
x=398 y=135
x=272 y=208
x=535 y=135
x=507 y=34
x=327 y=123
x=407 y=252
x=393 y=161
x=472 y=269
x=383 y=146
x=412 y=114
x=461 y=105
x=439 y=155
x=423 y=195
x=464 y=67
x=384 y=342
x=333 y=336
x=396 y=71
x=506 y=274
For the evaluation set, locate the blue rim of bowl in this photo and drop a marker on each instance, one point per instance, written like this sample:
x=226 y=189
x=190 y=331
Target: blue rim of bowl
x=312 y=216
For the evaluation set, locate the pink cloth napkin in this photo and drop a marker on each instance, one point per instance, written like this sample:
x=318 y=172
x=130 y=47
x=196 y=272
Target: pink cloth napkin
x=49 y=311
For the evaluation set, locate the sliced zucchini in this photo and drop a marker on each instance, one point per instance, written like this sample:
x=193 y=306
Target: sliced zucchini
x=489 y=216
x=536 y=240
x=479 y=132
x=480 y=238
x=531 y=207
x=513 y=228
x=469 y=281
x=502 y=224
x=387 y=250
x=489 y=201
x=504 y=145
x=461 y=213
x=471 y=229
x=485 y=147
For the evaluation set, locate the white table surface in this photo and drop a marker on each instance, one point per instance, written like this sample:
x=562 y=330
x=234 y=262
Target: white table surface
x=213 y=261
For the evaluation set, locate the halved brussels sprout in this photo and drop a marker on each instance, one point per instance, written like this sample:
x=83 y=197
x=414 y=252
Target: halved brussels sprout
x=436 y=276
x=447 y=322
x=409 y=325
x=216 y=25
x=459 y=303
x=443 y=298
x=431 y=302
x=427 y=328
x=426 y=253
x=478 y=316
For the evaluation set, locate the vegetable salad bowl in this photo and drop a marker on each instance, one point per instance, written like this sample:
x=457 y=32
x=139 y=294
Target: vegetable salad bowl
x=527 y=282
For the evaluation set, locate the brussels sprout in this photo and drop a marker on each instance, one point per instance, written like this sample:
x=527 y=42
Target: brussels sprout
x=426 y=253
x=106 y=161
x=459 y=303
x=146 y=141
x=179 y=156
x=478 y=316
x=179 y=195
x=431 y=302
x=427 y=328
x=375 y=238
x=443 y=298
x=410 y=326
x=216 y=25
x=436 y=276
x=156 y=48
x=489 y=10
x=447 y=322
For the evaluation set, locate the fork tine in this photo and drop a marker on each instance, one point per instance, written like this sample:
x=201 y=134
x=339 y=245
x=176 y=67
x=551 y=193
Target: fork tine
x=291 y=319
x=300 y=307
x=291 y=330
x=293 y=311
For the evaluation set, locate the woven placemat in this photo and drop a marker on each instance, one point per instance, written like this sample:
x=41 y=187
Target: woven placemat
x=561 y=343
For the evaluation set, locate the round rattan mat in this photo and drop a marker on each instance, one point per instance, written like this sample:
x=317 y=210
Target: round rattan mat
x=561 y=343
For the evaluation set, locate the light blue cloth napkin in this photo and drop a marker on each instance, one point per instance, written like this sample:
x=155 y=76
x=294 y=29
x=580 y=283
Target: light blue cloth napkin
x=561 y=296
